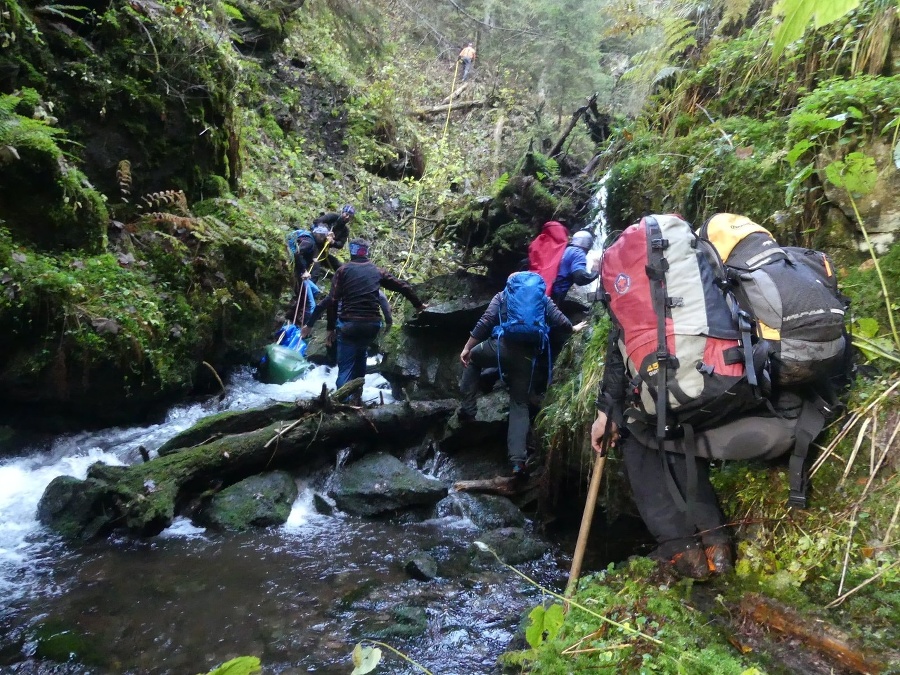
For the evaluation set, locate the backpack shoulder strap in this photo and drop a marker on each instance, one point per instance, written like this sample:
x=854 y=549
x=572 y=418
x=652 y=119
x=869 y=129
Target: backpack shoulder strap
x=809 y=425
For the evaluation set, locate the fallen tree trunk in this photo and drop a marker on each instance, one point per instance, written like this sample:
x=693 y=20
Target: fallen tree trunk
x=456 y=92
x=433 y=110
x=814 y=633
x=143 y=499
x=557 y=147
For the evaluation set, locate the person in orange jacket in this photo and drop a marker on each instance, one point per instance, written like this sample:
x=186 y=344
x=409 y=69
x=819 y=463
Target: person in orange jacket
x=467 y=56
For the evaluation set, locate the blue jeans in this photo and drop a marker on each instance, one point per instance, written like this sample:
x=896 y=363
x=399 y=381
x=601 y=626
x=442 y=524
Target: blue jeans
x=353 y=341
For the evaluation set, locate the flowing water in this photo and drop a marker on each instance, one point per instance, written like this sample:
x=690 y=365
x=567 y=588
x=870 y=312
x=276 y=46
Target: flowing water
x=298 y=596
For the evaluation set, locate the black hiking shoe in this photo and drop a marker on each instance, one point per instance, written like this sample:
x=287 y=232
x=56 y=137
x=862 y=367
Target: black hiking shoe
x=720 y=558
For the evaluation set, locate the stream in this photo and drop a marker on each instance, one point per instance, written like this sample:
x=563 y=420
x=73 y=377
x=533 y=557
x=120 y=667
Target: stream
x=299 y=596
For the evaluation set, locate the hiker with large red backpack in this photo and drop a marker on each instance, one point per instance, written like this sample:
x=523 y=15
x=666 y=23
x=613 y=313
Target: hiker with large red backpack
x=688 y=377
x=513 y=335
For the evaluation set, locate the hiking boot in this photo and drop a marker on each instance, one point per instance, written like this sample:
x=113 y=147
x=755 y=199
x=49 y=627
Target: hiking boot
x=720 y=558
x=520 y=470
x=688 y=562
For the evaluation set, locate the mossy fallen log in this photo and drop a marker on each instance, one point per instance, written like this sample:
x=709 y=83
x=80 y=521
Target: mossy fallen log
x=815 y=633
x=143 y=499
x=215 y=426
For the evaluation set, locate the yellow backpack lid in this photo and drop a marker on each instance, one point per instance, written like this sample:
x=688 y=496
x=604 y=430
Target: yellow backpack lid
x=727 y=230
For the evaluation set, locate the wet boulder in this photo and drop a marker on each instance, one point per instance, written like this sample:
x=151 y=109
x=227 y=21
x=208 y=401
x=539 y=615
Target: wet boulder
x=513 y=545
x=73 y=508
x=421 y=566
x=487 y=512
x=489 y=425
x=257 y=501
x=380 y=483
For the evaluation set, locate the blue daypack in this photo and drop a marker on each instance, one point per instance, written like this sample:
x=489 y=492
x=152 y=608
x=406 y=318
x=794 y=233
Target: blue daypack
x=293 y=240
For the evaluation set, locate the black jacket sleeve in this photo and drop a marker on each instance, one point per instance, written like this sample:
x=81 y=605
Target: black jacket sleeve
x=613 y=386
x=556 y=319
x=385 y=309
x=392 y=283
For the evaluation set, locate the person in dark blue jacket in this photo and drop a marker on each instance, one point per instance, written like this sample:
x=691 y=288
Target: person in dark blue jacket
x=573 y=266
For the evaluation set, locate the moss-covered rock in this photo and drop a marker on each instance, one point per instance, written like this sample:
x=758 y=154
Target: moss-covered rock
x=257 y=501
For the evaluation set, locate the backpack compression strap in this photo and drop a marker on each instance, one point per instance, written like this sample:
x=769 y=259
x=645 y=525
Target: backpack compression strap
x=657 y=265
x=809 y=425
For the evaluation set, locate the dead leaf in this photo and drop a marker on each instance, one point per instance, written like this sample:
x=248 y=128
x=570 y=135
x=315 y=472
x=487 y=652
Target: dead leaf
x=745 y=152
x=19 y=257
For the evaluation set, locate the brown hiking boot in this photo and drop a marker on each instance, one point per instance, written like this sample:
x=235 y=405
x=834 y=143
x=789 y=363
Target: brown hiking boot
x=720 y=558
x=692 y=563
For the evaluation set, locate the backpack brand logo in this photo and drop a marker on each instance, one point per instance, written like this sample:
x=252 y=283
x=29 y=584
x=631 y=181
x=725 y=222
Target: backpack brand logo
x=622 y=284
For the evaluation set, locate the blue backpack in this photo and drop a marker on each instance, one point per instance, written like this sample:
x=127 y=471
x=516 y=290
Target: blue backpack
x=523 y=315
x=293 y=240
x=524 y=309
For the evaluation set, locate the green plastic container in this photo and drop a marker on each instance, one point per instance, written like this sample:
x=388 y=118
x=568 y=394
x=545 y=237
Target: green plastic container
x=283 y=365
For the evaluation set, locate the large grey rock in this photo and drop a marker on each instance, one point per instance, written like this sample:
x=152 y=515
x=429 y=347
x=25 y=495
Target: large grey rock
x=380 y=482
x=879 y=209
x=73 y=508
x=257 y=501
x=422 y=358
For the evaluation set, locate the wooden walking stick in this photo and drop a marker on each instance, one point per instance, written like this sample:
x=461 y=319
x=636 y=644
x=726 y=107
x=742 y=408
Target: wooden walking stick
x=588 y=516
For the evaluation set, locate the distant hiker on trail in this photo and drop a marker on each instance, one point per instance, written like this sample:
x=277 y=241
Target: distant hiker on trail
x=305 y=248
x=354 y=312
x=573 y=266
x=514 y=333
x=339 y=226
x=466 y=57
x=546 y=251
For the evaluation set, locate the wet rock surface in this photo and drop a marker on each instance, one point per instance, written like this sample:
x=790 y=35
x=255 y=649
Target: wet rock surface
x=257 y=501
x=380 y=483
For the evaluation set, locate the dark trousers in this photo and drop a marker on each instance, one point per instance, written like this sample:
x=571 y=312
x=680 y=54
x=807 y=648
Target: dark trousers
x=353 y=340
x=676 y=522
x=524 y=376
x=467 y=68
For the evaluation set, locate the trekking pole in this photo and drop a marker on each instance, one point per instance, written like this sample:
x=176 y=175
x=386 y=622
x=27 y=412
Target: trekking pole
x=588 y=515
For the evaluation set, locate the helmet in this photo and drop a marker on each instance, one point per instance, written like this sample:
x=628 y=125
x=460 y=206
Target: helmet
x=348 y=211
x=583 y=239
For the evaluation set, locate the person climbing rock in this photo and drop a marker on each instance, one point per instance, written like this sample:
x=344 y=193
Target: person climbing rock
x=353 y=312
x=305 y=247
x=523 y=356
x=467 y=57
x=339 y=226
x=572 y=268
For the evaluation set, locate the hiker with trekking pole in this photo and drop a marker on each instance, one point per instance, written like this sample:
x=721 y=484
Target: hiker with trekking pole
x=513 y=335
x=724 y=346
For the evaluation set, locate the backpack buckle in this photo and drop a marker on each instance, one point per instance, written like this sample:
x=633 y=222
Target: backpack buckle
x=797 y=500
x=660 y=244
